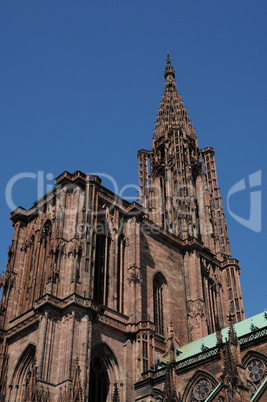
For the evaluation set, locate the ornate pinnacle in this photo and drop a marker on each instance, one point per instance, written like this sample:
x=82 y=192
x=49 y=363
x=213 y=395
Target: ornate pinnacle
x=218 y=330
x=169 y=391
x=232 y=337
x=230 y=317
x=172 y=351
x=171 y=347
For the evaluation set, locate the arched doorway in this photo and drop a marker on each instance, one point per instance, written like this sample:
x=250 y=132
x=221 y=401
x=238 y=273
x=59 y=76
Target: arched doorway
x=24 y=375
x=99 y=381
x=105 y=374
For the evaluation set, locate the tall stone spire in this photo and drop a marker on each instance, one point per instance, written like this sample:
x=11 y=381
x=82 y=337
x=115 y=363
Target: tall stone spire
x=174 y=164
x=178 y=188
x=172 y=112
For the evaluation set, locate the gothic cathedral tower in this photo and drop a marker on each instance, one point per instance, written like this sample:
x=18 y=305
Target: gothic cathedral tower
x=95 y=286
x=180 y=192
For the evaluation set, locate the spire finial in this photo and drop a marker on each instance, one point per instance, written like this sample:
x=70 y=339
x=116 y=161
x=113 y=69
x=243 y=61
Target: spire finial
x=169 y=69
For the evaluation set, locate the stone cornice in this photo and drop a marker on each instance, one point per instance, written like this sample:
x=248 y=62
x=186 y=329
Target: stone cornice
x=49 y=302
x=127 y=328
x=61 y=304
x=79 y=178
x=230 y=262
x=21 y=326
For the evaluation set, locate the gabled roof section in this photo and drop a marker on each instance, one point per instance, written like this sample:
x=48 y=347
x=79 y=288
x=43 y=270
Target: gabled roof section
x=172 y=112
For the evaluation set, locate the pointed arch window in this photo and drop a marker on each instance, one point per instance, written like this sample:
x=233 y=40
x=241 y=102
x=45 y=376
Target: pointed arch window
x=158 y=300
x=199 y=387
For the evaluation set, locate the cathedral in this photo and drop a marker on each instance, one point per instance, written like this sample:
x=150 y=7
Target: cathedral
x=104 y=300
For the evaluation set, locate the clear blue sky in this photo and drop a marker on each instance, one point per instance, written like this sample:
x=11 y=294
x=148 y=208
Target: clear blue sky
x=81 y=83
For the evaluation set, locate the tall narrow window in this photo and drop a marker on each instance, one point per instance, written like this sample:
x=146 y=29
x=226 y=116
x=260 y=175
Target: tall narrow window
x=101 y=264
x=145 y=353
x=158 y=288
x=233 y=277
x=237 y=304
x=228 y=281
x=163 y=197
x=44 y=256
x=120 y=269
x=32 y=251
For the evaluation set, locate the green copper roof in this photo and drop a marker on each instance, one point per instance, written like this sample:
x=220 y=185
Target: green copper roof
x=254 y=398
x=202 y=345
x=209 y=398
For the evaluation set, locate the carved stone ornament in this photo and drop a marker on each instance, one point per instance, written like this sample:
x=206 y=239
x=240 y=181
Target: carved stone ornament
x=134 y=275
x=255 y=370
x=202 y=389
